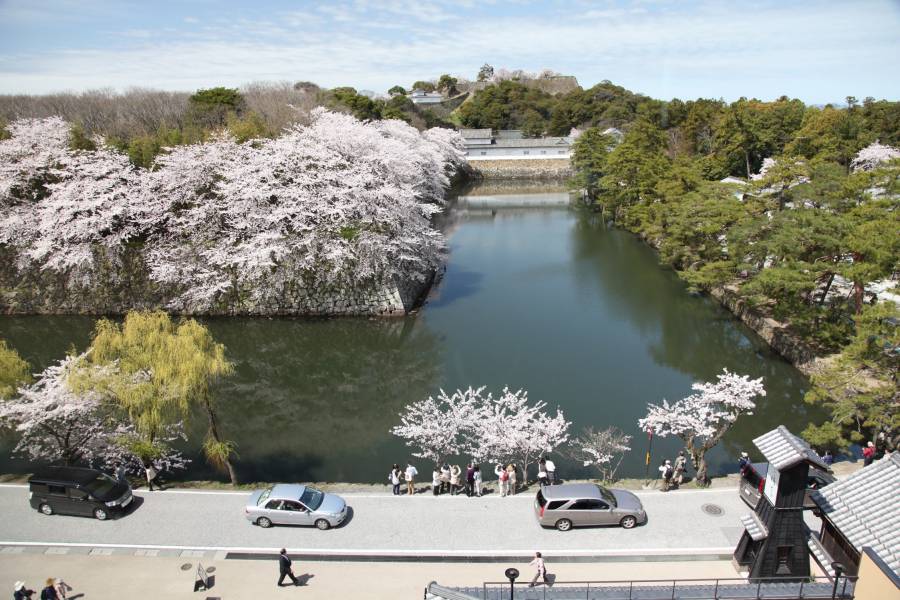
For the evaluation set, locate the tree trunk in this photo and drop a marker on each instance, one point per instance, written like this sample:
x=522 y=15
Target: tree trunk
x=702 y=477
x=214 y=431
x=747 y=163
x=827 y=289
x=858 y=293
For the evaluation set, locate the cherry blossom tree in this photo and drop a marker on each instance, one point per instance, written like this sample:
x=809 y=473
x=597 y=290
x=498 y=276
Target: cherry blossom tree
x=54 y=423
x=604 y=449
x=511 y=429
x=332 y=205
x=872 y=156
x=702 y=418
x=441 y=427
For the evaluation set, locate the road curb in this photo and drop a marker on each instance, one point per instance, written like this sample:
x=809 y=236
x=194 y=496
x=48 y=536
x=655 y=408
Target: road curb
x=335 y=555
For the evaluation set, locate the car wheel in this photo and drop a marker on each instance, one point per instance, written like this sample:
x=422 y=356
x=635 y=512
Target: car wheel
x=628 y=522
x=564 y=524
x=264 y=522
x=100 y=514
x=323 y=524
x=46 y=509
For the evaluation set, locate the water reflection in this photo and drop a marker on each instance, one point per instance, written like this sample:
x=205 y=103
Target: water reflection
x=543 y=298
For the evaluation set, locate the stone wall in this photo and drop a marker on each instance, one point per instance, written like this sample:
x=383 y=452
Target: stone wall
x=776 y=334
x=114 y=291
x=537 y=168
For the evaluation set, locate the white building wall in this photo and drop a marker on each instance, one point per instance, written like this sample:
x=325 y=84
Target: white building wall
x=536 y=152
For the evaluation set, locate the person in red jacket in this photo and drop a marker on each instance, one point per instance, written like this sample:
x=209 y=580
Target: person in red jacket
x=868 y=454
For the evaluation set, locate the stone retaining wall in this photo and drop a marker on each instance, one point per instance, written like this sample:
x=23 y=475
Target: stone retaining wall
x=537 y=168
x=116 y=290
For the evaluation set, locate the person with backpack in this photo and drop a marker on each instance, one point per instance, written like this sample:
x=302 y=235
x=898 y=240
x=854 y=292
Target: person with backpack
x=666 y=472
x=394 y=479
x=49 y=592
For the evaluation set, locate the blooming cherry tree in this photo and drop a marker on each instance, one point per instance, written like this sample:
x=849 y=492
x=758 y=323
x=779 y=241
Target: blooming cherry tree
x=336 y=204
x=54 y=423
x=512 y=429
x=702 y=418
x=441 y=427
x=872 y=156
x=604 y=449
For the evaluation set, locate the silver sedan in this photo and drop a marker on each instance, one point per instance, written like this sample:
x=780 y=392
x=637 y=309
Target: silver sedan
x=295 y=504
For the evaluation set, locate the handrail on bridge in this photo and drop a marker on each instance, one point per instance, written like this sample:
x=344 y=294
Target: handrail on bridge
x=725 y=582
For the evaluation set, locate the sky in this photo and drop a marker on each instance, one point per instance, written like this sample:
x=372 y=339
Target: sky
x=818 y=51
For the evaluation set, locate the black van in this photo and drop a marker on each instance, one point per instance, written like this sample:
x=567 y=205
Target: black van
x=74 y=491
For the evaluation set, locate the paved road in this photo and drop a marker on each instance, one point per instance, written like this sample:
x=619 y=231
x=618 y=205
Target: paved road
x=382 y=524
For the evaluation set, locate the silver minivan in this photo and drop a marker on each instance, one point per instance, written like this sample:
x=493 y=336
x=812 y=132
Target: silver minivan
x=585 y=504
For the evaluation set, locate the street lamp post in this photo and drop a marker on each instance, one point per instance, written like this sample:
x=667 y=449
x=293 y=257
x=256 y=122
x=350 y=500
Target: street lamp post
x=512 y=574
x=838 y=569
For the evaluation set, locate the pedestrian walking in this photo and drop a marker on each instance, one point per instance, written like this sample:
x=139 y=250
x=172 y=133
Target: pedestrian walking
x=551 y=470
x=436 y=481
x=502 y=479
x=62 y=588
x=511 y=469
x=455 y=474
x=285 y=569
x=680 y=466
x=49 y=591
x=828 y=459
x=743 y=462
x=152 y=477
x=542 y=473
x=411 y=473
x=445 y=478
x=540 y=569
x=20 y=592
x=666 y=472
x=470 y=480
x=121 y=477
x=868 y=454
x=478 y=482
x=394 y=478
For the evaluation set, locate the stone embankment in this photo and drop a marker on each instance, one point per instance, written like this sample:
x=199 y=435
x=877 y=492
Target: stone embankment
x=778 y=335
x=551 y=168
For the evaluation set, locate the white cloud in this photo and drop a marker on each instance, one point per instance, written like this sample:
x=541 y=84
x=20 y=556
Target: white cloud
x=822 y=54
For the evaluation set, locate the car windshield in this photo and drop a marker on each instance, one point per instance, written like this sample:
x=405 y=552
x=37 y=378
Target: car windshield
x=102 y=486
x=312 y=499
x=264 y=496
x=608 y=496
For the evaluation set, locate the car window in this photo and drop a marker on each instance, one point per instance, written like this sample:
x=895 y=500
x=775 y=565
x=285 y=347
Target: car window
x=588 y=504
x=58 y=490
x=264 y=496
x=555 y=504
x=77 y=494
x=101 y=486
x=293 y=506
x=274 y=504
x=312 y=498
x=607 y=496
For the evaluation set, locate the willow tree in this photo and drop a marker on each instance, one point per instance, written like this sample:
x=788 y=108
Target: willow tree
x=13 y=371
x=163 y=371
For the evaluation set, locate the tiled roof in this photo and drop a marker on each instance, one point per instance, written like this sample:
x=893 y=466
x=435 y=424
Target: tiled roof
x=510 y=134
x=754 y=527
x=475 y=133
x=783 y=449
x=865 y=508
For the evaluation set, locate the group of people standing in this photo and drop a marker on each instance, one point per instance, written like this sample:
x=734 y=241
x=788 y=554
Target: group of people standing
x=673 y=475
x=454 y=480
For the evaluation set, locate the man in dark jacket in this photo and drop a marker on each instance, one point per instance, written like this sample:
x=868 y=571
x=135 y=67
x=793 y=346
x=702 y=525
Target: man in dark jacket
x=284 y=566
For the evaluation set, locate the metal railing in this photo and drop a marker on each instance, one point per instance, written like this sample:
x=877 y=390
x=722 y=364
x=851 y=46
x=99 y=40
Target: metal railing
x=769 y=588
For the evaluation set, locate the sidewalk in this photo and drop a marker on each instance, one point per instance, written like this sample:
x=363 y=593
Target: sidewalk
x=110 y=577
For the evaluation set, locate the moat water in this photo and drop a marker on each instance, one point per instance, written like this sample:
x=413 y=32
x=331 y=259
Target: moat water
x=537 y=295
